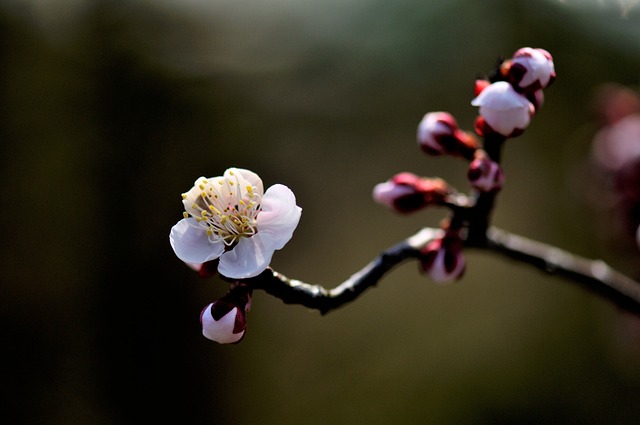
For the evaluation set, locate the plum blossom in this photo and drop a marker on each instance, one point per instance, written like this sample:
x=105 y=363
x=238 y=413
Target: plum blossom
x=503 y=109
x=230 y=218
x=531 y=69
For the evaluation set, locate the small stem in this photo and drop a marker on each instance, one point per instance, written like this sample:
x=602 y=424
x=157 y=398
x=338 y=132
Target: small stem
x=493 y=146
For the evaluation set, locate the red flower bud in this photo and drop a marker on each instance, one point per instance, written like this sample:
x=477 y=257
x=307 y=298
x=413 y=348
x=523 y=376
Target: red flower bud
x=438 y=134
x=406 y=192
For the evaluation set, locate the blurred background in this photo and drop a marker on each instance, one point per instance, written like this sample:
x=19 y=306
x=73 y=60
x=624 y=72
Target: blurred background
x=110 y=109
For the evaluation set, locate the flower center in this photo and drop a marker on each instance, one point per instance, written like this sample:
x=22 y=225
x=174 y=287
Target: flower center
x=227 y=211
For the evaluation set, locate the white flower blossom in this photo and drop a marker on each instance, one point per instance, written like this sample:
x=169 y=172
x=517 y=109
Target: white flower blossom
x=230 y=218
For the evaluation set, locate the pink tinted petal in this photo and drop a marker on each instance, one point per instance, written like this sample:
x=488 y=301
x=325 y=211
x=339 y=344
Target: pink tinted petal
x=190 y=243
x=252 y=178
x=503 y=109
x=279 y=216
x=220 y=331
x=248 y=258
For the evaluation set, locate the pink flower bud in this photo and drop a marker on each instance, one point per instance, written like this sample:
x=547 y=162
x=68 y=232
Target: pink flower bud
x=223 y=323
x=484 y=174
x=224 y=320
x=531 y=69
x=438 y=134
x=406 y=192
x=503 y=110
x=442 y=258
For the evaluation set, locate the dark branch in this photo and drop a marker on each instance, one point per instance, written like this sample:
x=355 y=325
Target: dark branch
x=293 y=291
x=593 y=275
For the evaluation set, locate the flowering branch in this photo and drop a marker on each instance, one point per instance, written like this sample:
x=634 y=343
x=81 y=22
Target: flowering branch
x=593 y=275
x=293 y=291
x=232 y=227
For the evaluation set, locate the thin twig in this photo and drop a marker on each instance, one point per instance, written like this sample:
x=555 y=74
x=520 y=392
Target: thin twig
x=293 y=291
x=593 y=275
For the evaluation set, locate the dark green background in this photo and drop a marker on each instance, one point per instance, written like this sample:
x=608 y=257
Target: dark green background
x=111 y=109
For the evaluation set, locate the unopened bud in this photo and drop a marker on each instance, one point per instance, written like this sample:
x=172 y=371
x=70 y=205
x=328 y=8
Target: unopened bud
x=438 y=134
x=531 y=69
x=224 y=320
x=442 y=259
x=406 y=192
x=484 y=174
x=503 y=110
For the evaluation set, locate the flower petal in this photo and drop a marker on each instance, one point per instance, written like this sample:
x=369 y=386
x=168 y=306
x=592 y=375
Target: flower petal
x=279 y=216
x=246 y=177
x=191 y=244
x=248 y=258
x=221 y=330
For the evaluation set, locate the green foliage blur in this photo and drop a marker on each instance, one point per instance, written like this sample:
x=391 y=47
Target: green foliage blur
x=111 y=109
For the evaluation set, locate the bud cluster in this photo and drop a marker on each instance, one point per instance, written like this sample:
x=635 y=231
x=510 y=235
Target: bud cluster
x=507 y=101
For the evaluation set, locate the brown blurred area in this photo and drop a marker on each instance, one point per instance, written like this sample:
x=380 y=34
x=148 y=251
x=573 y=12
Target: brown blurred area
x=111 y=109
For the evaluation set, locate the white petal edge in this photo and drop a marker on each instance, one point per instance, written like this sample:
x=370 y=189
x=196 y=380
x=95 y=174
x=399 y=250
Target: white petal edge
x=249 y=176
x=220 y=331
x=190 y=242
x=500 y=96
x=279 y=216
x=248 y=258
